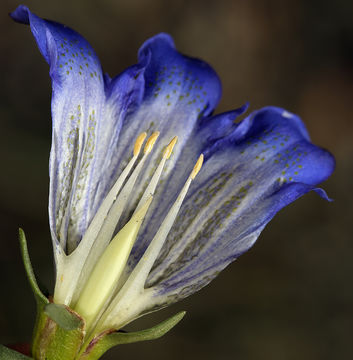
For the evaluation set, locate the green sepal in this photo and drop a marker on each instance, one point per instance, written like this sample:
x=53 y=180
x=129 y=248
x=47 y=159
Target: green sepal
x=59 y=331
x=39 y=296
x=9 y=354
x=65 y=318
x=58 y=335
x=106 y=340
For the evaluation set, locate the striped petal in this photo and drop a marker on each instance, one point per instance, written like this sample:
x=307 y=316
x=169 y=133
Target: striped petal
x=179 y=92
x=265 y=163
x=87 y=112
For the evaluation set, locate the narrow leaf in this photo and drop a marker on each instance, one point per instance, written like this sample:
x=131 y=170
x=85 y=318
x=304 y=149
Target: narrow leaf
x=40 y=298
x=153 y=333
x=102 y=343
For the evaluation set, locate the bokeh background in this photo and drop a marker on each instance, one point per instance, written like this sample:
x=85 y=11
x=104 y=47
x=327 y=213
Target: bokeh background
x=291 y=296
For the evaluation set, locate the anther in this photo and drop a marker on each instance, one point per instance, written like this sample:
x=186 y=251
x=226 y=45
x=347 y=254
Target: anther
x=139 y=142
x=197 y=167
x=169 y=149
x=150 y=142
x=158 y=172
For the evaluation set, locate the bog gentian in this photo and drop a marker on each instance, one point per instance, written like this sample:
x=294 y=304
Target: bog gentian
x=135 y=224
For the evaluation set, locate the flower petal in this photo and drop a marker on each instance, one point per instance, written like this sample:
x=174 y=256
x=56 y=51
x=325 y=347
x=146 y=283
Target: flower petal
x=179 y=91
x=205 y=134
x=265 y=163
x=88 y=111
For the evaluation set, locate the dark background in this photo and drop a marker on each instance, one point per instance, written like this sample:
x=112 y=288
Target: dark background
x=291 y=296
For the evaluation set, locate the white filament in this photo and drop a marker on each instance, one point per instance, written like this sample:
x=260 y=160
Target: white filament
x=70 y=267
x=121 y=310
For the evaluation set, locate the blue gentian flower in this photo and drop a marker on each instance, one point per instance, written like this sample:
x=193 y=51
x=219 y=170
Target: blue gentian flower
x=135 y=224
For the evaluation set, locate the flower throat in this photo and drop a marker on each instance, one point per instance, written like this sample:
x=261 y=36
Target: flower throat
x=98 y=285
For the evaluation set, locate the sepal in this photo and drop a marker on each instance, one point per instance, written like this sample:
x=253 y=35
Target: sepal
x=110 y=338
x=59 y=333
x=41 y=299
x=8 y=354
x=66 y=318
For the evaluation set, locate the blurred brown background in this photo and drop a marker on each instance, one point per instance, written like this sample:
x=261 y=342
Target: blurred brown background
x=291 y=296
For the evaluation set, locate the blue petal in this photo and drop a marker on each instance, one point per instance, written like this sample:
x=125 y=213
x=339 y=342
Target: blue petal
x=264 y=164
x=219 y=126
x=177 y=81
x=179 y=92
x=88 y=111
x=96 y=119
x=207 y=132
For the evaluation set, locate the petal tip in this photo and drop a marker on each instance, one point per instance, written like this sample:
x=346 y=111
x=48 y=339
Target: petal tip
x=20 y=14
x=161 y=39
x=322 y=193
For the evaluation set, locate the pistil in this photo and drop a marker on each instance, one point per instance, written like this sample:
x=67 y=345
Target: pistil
x=108 y=269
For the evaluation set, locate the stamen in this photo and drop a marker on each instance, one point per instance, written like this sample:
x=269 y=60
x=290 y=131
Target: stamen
x=134 y=286
x=157 y=174
x=119 y=205
x=64 y=290
x=108 y=269
x=112 y=218
x=98 y=220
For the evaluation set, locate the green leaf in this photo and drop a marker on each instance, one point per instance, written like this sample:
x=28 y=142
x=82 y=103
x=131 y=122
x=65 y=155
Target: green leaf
x=40 y=298
x=8 y=354
x=66 y=319
x=103 y=342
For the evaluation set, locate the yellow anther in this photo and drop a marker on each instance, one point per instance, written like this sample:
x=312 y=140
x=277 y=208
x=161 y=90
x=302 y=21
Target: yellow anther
x=197 y=167
x=138 y=143
x=150 y=142
x=168 y=150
